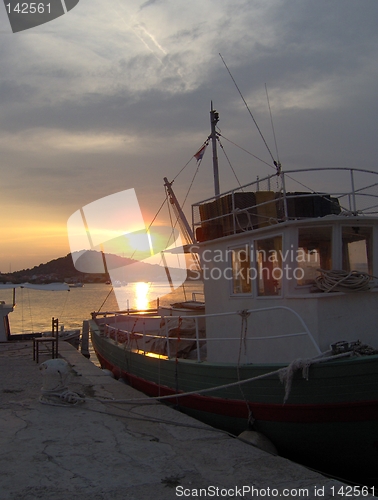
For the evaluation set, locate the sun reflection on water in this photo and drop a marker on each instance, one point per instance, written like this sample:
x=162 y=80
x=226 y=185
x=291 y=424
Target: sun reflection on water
x=141 y=290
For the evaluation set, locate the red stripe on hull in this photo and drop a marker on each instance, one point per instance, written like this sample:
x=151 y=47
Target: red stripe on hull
x=295 y=413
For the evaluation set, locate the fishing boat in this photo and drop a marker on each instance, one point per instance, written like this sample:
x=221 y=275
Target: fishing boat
x=287 y=342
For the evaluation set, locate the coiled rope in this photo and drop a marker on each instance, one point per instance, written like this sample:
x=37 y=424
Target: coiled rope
x=343 y=281
x=61 y=397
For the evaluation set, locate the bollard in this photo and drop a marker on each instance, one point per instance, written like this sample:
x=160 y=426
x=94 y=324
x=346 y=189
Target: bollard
x=56 y=374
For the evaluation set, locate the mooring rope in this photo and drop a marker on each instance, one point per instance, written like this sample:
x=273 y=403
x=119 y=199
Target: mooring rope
x=62 y=397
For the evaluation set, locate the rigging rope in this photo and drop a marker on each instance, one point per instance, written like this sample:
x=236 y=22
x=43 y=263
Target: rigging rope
x=157 y=213
x=229 y=163
x=249 y=111
x=63 y=307
x=271 y=121
x=184 y=167
x=246 y=151
x=106 y=298
x=30 y=311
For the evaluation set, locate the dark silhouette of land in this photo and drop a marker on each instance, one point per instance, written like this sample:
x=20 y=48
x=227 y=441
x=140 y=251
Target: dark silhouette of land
x=92 y=268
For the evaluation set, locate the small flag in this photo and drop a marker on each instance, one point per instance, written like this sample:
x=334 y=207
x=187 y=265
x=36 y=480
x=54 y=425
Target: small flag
x=199 y=155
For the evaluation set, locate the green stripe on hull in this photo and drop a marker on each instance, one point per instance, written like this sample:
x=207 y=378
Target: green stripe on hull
x=333 y=382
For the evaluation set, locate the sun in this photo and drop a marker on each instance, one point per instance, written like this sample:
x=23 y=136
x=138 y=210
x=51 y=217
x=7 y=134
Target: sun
x=140 y=241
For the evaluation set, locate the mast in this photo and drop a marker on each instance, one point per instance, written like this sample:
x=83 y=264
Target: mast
x=184 y=224
x=214 y=118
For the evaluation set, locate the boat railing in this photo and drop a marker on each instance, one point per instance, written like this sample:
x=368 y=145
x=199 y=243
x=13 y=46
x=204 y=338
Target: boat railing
x=195 y=296
x=130 y=337
x=293 y=194
x=127 y=312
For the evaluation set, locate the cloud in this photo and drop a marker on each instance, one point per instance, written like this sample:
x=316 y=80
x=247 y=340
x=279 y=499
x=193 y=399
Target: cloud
x=116 y=95
x=149 y=3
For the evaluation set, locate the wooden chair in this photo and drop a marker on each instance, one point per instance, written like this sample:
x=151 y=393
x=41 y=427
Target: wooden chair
x=53 y=339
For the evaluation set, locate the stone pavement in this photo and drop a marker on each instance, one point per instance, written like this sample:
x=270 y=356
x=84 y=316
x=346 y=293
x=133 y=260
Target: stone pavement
x=109 y=451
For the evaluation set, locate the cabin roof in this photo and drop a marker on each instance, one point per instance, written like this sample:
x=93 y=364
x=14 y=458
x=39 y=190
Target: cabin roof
x=352 y=194
x=286 y=225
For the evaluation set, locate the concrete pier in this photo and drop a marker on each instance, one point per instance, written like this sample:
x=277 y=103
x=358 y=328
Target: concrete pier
x=108 y=451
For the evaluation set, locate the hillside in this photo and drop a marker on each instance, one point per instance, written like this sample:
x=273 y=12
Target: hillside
x=63 y=269
x=91 y=268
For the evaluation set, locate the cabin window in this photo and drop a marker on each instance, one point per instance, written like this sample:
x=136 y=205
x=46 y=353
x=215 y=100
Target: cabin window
x=241 y=268
x=357 y=248
x=314 y=252
x=269 y=266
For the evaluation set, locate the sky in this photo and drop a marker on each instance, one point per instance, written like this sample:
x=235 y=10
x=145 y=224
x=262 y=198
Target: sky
x=116 y=94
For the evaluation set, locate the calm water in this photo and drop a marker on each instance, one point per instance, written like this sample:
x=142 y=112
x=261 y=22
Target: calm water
x=34 y=309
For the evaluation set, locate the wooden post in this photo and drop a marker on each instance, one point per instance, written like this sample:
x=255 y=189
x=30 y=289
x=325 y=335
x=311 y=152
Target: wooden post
x=85 y=339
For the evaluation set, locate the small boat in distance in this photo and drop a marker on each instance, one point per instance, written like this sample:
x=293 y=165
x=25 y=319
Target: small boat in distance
x=75 y=285
x=286 y=341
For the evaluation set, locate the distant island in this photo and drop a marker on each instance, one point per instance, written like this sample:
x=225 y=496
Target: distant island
x=64 y=270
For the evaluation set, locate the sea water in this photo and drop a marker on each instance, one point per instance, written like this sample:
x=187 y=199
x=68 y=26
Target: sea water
x=34 y=308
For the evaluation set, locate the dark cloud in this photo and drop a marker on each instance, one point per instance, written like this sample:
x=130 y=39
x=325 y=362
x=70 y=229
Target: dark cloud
x=106 y=104
x=149 y=3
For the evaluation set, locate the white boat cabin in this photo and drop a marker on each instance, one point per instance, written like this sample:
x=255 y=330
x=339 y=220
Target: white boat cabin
x=263 y=250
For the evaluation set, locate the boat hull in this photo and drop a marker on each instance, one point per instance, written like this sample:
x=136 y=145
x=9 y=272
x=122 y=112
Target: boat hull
x=329 y=421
